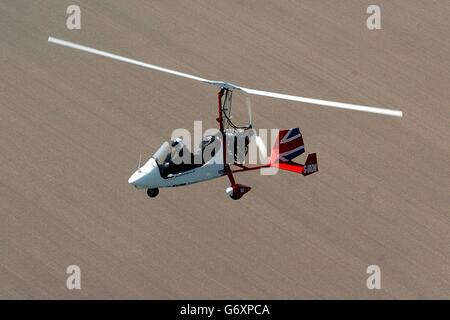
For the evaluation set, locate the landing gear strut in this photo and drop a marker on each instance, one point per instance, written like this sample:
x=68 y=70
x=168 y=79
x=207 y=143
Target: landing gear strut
x=152 y=192
x=236 y=190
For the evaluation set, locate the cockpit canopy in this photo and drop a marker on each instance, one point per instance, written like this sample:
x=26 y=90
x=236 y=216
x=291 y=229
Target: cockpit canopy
x=175 y=157
x=163 y=154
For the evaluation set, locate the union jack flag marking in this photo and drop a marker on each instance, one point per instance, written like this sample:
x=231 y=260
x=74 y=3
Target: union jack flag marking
x=290 y=144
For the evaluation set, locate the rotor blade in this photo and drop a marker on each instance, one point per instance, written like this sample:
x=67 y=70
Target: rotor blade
x=340 y=105
x=123 y=59
x=227 y=85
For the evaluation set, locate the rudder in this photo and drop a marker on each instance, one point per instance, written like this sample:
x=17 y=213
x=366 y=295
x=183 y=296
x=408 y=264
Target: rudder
x=310 y=165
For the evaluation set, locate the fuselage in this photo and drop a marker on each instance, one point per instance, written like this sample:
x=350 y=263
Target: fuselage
x=149 y=175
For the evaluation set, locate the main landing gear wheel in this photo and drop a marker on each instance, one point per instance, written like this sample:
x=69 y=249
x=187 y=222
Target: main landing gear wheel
x=236 y=196
x=152 y=192
x=237 y=191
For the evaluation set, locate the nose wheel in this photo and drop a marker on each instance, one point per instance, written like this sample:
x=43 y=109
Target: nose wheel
x=152 y=192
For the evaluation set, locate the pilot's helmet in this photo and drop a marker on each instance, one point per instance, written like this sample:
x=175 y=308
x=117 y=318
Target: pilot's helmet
x=177 y=142
x=207 y=138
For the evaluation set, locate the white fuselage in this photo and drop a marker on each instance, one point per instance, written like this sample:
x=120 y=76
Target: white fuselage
x=149 y=176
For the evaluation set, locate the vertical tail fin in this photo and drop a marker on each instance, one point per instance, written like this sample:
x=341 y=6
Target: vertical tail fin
x=288 y=146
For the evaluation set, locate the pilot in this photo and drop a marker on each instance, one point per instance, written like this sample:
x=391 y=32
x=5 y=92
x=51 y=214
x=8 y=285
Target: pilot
x=177 y=141
x=177 y=151
x=177 y=146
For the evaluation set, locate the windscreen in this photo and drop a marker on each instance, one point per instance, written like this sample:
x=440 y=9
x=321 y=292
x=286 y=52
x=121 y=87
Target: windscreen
x=163 y=153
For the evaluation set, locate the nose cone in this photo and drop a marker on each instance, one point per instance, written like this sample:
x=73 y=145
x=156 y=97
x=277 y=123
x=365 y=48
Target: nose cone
x=135 y=177
x=146 y=176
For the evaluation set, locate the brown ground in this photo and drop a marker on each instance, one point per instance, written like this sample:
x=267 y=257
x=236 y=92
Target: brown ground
x=72 y=127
